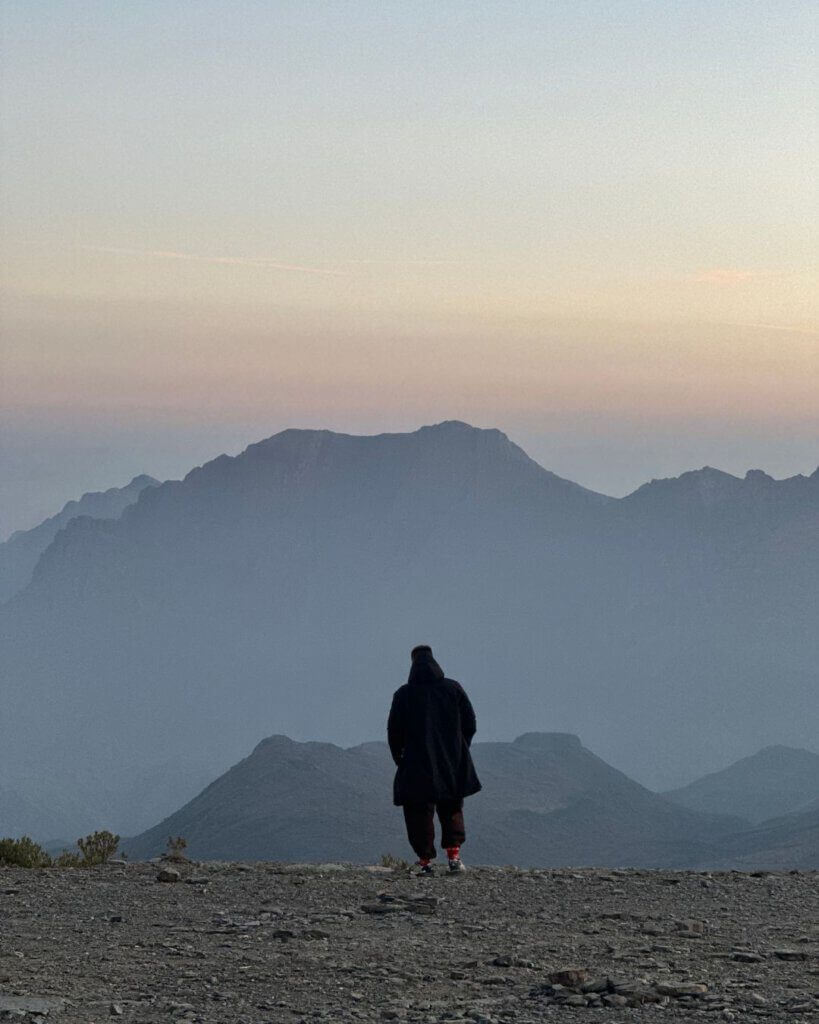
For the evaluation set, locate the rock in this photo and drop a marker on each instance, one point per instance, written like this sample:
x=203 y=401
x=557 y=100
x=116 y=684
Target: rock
x=383 y=908
x=690 y=929
x=424 y=901
x=744 y=957
x=169 y=875
x=115 y=1010
x=790 y=954
x=678 y=989
x=636 y=992
x=571 y=977
x=595 y=985
x=30 y=1004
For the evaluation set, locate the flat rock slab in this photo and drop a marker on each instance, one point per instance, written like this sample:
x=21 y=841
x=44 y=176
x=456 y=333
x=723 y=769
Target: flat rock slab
x=31 y=1004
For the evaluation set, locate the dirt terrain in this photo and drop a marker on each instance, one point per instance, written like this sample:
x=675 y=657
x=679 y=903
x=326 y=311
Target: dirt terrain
x=285 y=943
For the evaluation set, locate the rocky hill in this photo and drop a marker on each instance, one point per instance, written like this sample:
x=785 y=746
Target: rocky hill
x=21 y=552
x=770 y=783
x=546 y=801
x=280 y=591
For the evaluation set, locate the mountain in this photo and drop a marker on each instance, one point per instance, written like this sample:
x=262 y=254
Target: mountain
x=786 y=843
x=280 y=591
x=23 y=816
x=546 y=801
x=772 y=782
x=75 y=800
x=19 y=554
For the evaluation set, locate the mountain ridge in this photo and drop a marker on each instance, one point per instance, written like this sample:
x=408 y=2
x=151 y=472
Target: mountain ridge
x=317 y=801
x=547 y=801
x=774 y=781
x=21 y=551
x=275 y=591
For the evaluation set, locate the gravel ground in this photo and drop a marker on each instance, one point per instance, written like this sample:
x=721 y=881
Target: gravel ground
x=290 y=943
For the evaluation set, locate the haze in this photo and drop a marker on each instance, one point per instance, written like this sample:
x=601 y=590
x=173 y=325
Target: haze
x=588 y=223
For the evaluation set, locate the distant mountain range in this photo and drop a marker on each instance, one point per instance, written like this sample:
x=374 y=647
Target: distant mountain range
x=774 y=781
x=547 y=801
x=280 y=591
x=21 y=552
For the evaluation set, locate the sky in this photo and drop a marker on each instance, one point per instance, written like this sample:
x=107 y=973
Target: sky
x=592 y=225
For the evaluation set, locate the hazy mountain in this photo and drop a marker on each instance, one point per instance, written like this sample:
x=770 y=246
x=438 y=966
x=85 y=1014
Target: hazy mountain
x=546 y=801
x=281 y=590
x=786 y=843
x=768 y=784
x=23 y=816
x=19 y=554
x=45 y=803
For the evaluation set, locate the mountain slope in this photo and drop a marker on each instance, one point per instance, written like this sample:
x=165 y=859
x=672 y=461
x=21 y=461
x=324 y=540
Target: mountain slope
x=786 y=843
x=19 y=554
x=281 y=590
x=546 y=801
x=772 y=782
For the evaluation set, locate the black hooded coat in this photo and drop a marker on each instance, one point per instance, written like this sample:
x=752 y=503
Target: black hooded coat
x=430 y=730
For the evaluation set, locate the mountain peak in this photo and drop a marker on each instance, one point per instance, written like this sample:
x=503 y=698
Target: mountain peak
x=474 y=463
x=707 y=487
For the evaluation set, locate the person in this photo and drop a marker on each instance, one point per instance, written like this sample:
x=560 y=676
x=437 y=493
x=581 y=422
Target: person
x=429 y=730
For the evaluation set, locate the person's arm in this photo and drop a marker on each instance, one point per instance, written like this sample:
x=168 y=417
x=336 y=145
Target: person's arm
x=469 y=723
x=395 y=728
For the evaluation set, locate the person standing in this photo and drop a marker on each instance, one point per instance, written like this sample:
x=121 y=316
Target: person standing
x=429 y=730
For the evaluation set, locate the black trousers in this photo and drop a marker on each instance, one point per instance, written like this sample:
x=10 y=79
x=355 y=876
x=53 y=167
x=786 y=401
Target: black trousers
x=420 y=821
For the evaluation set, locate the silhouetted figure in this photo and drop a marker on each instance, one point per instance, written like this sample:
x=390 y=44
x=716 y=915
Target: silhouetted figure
x=430 y=730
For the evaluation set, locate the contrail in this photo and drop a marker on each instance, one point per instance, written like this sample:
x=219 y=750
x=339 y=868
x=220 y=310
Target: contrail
x=250 y=261
x=407 y=263
x=237 y=261
x=768 y=327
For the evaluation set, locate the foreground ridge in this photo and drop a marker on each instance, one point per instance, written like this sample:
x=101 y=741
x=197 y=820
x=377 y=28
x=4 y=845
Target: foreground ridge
x=275 y=942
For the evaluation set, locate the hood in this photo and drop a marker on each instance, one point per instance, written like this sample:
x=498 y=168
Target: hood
x=425 y=669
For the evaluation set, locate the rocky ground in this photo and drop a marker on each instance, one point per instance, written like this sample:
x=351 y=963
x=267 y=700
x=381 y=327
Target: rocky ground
x=268 y=942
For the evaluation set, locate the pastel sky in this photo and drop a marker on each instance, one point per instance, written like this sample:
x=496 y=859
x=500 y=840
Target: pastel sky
x=590 y=224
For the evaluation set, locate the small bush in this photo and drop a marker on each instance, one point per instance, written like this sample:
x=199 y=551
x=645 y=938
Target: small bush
x=23 y=853
x=67 y=859
x=97 y=848
x=175 y=849
x=388 y=860
x=91 y=850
